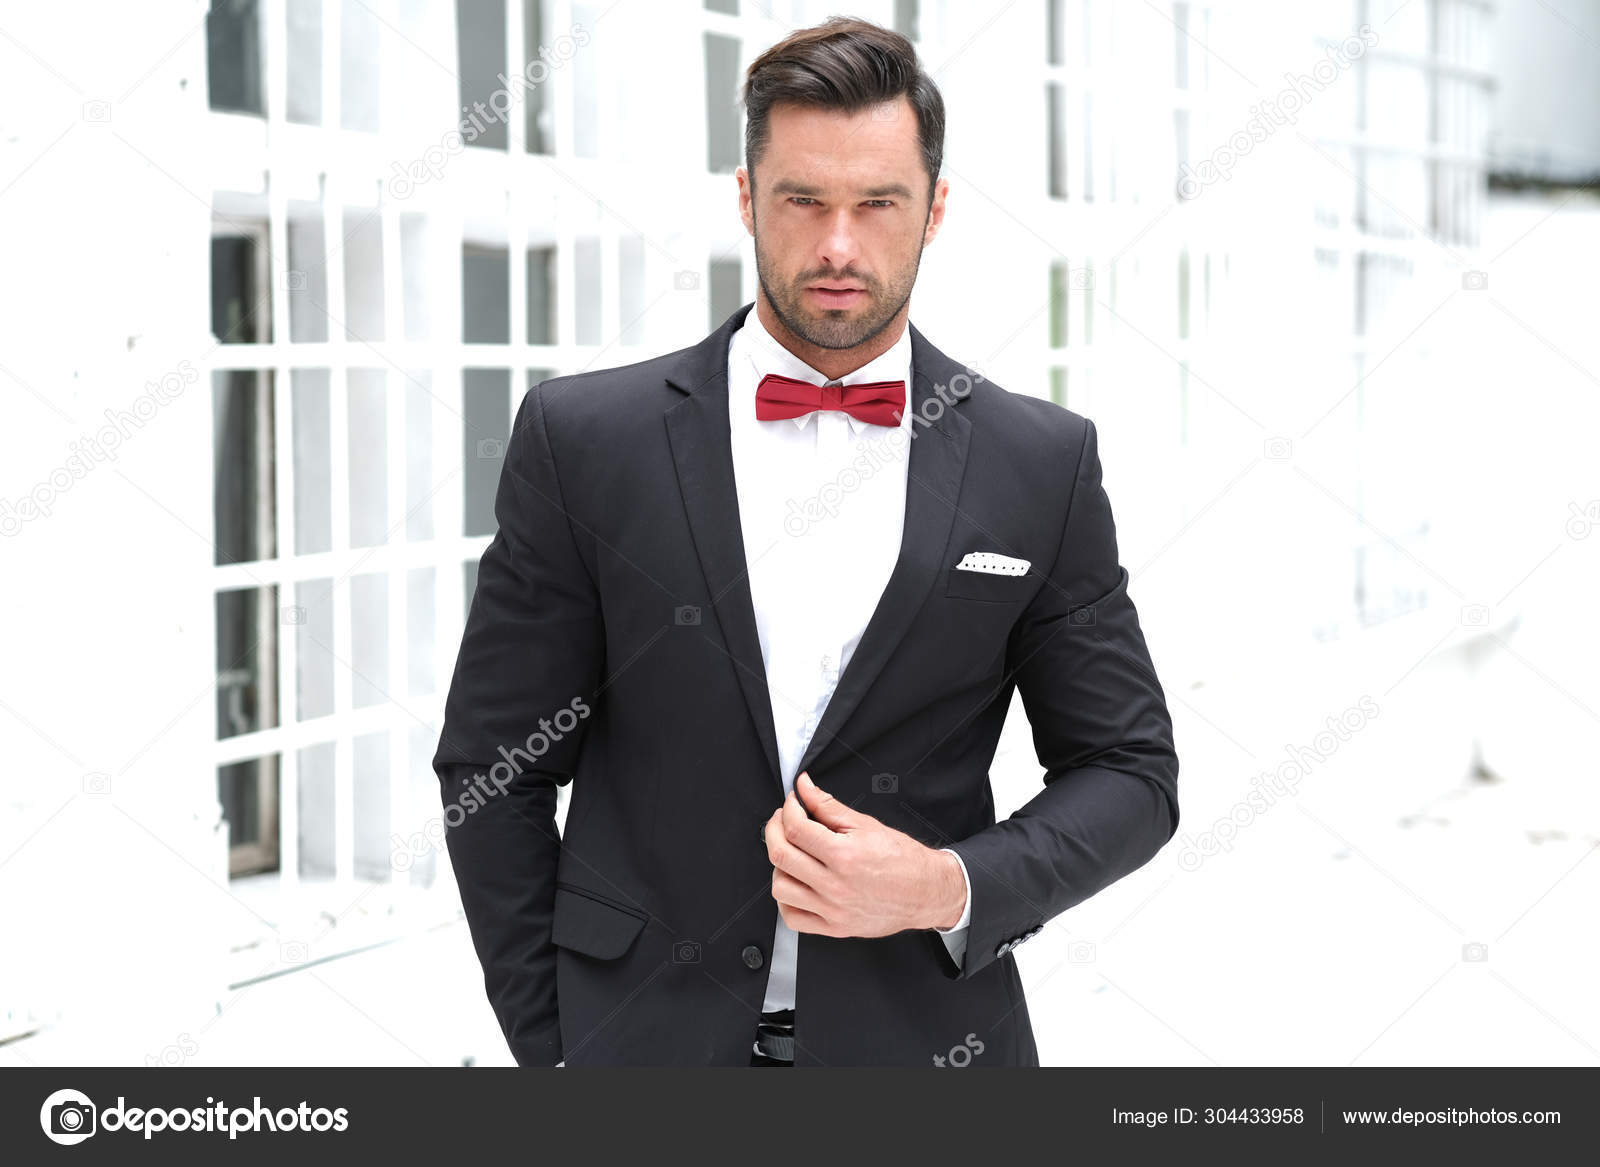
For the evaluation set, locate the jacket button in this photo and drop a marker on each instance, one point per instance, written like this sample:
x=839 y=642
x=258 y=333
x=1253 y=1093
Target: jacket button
x=752 y=956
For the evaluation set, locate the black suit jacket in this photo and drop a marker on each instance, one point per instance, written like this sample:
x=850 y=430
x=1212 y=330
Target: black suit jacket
x=612 y=643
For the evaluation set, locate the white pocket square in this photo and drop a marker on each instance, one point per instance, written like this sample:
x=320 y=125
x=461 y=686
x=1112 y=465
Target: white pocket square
x=992 y=563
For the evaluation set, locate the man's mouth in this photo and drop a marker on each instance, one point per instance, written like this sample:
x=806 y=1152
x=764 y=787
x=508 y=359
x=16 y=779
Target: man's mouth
x=836 y=295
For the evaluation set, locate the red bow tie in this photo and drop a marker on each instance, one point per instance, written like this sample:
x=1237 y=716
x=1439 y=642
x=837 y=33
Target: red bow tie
x=877 y=402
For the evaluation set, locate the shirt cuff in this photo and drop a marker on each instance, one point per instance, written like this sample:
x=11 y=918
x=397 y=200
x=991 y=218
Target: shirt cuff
x=966 y=907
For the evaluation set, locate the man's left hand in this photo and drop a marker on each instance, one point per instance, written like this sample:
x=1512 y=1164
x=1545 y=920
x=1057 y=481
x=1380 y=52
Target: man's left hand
x=838 y=872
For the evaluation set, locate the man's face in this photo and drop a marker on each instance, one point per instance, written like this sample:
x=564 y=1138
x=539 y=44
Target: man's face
x=840 y=215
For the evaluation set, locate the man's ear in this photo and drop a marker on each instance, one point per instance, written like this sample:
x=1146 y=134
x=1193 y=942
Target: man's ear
x=941 y=189
x=747 y=196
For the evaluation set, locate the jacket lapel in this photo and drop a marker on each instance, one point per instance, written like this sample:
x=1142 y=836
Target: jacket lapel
x=933 y=483
x=702 y=451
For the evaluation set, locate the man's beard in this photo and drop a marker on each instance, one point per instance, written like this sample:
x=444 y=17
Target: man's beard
x=832 y=328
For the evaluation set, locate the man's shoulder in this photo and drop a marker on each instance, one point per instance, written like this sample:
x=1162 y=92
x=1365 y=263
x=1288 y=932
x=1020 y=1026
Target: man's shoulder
x=613 y=396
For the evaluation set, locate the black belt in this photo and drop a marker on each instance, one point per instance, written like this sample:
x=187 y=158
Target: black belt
x=775 y=1035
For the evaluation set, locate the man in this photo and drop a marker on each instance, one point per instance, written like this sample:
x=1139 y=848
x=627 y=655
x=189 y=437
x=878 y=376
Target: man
x=809 y=547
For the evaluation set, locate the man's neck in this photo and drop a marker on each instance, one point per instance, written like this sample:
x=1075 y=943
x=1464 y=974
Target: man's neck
x=832 y=363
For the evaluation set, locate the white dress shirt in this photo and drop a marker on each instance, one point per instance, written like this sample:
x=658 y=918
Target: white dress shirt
x=815 y=575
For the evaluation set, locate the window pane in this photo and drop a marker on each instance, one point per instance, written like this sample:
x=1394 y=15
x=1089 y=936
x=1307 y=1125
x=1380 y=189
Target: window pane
x=417 y=276
x=586 y=88
x=241 y=309
x=248 y=792
x=486 y=411
x=243 y=493
x=905 y=18
x=481 y=59
x=304 y=50
x=1056 y=130
x=536 y=114
x=312 y=619
x=586 y=257
x=485 y=295
x=542 y=295
x=1180 y=32
x=313 y=468
x=722 y=109
x=358 y=67
x=362 y=249
x=419 y=626
x=247 y=660
x=233 y=56
x=1183 y=294
x=1059 y=301
x=368 y=441
x=630 y=273
x=419 y=455
x=371 y=806
x=369 y=639
x=1088 y=147
x=727 y=284
x=308 y=282
x=315 y=765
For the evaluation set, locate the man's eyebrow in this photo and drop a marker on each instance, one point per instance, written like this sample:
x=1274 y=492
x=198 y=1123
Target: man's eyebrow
x=789 y=186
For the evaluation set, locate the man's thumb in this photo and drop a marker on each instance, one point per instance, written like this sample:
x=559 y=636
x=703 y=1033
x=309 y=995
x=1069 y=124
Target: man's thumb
x=823 y=806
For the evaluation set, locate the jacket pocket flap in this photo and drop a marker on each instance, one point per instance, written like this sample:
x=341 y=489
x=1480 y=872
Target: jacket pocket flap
x=592 y=926
x=983 y=585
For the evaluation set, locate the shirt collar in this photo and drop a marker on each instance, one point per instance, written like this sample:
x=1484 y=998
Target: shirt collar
x=768 y=356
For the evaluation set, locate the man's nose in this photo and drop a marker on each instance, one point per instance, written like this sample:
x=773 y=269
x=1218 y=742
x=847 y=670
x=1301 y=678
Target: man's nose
x=838 y=248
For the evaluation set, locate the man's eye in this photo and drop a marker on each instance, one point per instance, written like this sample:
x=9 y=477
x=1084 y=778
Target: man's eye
x=800 y=199
x=881 y=202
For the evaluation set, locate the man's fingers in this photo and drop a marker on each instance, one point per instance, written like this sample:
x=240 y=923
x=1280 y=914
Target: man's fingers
x=805 y=832
x=825 y=808
x=785 y=856
x=786 y=889
x=803 y=921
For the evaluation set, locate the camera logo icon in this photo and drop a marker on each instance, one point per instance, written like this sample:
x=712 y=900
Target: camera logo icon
x=685 y=952
x=885 y=783
x=686 y=615
x=68 y=1117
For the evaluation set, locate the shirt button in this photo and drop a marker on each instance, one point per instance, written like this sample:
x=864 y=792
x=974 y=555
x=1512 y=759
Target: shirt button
x=752 y=956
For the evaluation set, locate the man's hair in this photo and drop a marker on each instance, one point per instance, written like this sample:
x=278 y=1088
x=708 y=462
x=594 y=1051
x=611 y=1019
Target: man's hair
x=844 y=64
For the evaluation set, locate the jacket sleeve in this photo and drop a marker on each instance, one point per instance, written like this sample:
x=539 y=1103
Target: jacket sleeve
x=1101 y=730
x=520 y=699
